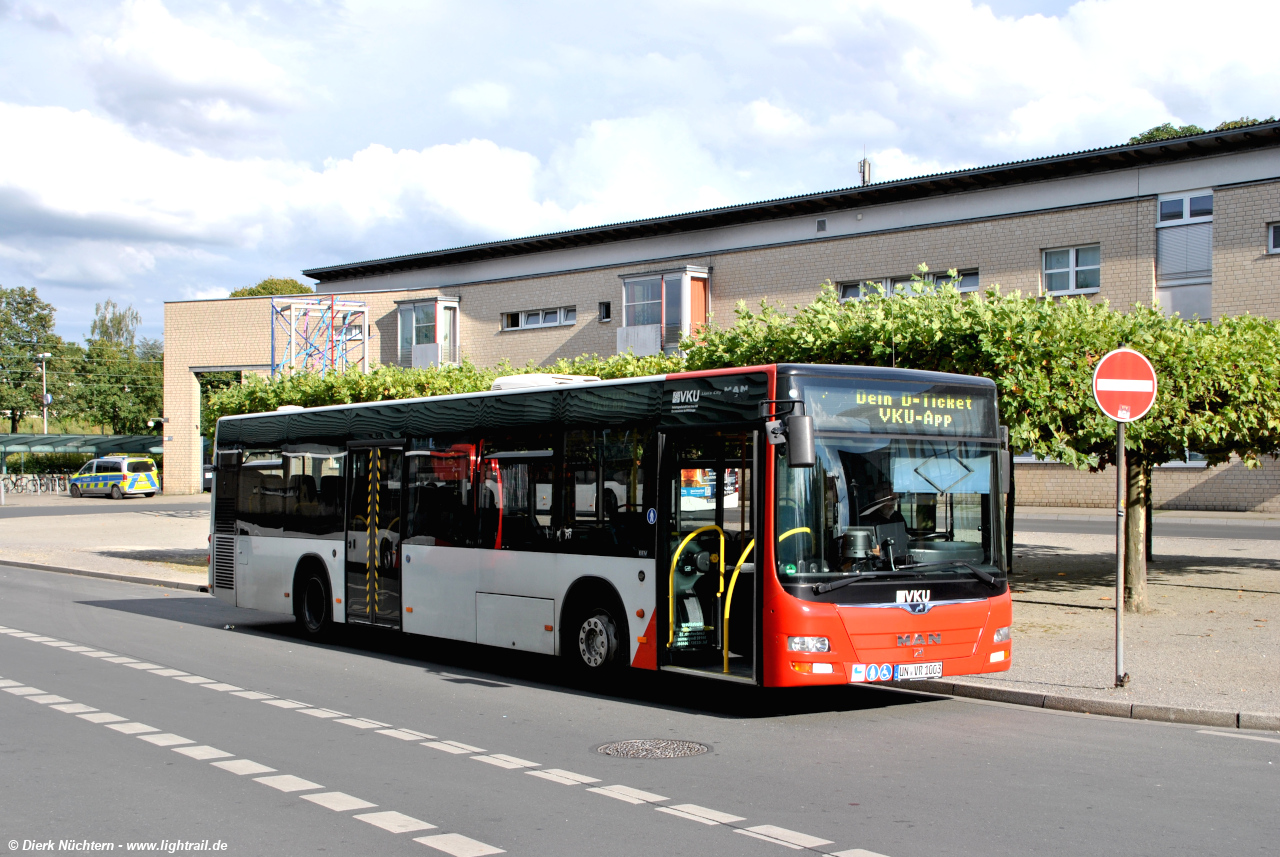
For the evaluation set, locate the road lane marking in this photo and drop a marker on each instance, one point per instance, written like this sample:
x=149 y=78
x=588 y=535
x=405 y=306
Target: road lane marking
x=143 y=665
x=394 y=822
x=285 y=703
x=1235 y=735
x=73 y=708
x=458 y=845
x=223 y=686
x=102 y=717
x=502 y=760
x=403 y=734
x=192 y=679
x=856 y=852
x=132 y=727
x=167 y=673
x=120 y=659
x=80 y=649
x=690 y=816
x=338 y=801
x=569 y=775
x=39 y=639
x=58 y=643
x=764 y=838
x=708 y=814
x=547 y=775
x=23 y=690
x=166 y=739
x=628 y=794
x=802 y=840
x=243 y=767
x=8 y=682
x=361 y=723
x=98 y=654
x=251 y=694
x=203 y=752
x=322 y=713
x=288 y=783
x=46 y=698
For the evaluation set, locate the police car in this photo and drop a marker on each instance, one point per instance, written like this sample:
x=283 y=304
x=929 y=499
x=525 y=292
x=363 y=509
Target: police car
x=117 y=476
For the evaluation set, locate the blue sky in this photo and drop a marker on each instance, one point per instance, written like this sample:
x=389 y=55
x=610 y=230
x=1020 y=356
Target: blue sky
x=163 y=149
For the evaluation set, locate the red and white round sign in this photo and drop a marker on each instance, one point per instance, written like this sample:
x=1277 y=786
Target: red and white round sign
x=1124 y=385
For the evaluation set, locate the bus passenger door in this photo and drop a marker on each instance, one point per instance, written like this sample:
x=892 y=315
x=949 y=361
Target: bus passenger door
x=374 y=513
x=706 y=536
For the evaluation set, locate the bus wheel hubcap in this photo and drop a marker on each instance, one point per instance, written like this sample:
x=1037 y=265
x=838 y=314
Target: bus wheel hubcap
x=593 y=641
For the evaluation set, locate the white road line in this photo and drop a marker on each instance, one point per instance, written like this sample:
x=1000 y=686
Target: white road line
x=98 y=654
x=166 y=739
x=203 y=752
x=221 y=686
x=143 y=665
x=251 y=694
x=120 y=659
x=8 y=682
x=628 y=794
x=403 y=734
x=73 y=708
x=21 y=634
x=856 y=852
x=803 y=840
x=338 y=801
x=132 y=727
x=46 y=698
x=458 y=845
x=80 y=649
x=570 y=775
x=1236 y=735
x=690 y=816
x=58 y=643
x=394 y=822
x=169 y=673
x=709 y=814
x=23 y=691
x=193 y=679
x=285 y=703
x=320 y=712
x=242 y=767
x=102 y=717
x=766 y=838
x=360 y=723
x=555 y=778
x=39 y=639
x=288 y=783
x=502 y=760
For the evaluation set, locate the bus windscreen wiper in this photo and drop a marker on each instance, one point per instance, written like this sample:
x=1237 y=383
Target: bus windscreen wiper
x=986 y=577
x=820 y=588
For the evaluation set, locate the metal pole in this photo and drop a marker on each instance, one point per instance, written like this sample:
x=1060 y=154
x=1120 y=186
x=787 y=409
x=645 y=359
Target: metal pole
x=1122 y=481
x=44 y=394
x=4 y=471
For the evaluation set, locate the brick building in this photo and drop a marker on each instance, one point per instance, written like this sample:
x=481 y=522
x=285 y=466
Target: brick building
x=1192 y=225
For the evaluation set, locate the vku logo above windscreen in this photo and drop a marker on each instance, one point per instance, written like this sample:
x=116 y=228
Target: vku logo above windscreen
x=685 y=397
x=914 y=596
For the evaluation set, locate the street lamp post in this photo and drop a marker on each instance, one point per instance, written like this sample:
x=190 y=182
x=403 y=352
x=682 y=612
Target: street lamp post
x=44 y=389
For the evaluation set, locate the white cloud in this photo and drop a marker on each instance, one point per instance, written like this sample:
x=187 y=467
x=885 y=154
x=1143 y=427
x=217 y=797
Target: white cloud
x=777 y=123
x=483 y=99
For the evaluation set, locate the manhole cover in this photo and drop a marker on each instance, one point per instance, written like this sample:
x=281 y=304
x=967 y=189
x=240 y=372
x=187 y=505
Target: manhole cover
x=655 y=748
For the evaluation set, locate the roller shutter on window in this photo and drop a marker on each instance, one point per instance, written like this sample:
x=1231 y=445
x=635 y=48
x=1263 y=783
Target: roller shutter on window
x=1185 y=252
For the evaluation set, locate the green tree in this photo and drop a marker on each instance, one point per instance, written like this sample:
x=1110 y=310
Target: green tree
x=273 y=286
x=120 y=383
x=113 y=325
x=26 y=329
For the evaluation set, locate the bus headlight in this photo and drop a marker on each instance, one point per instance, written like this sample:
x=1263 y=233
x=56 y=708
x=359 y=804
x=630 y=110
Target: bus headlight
x=1001 y=635
x=808 y=644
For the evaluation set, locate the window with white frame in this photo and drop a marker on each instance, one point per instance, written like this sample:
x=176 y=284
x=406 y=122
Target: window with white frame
x=538 y=318
x=965 y=281
x=428 y=332
x=1073 y=270
x=642 y=301
x=1184 y=253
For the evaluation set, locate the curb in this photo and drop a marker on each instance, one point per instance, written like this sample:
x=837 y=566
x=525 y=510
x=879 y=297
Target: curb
x=1104 y=707
x=106 y=575
x=1158 y=519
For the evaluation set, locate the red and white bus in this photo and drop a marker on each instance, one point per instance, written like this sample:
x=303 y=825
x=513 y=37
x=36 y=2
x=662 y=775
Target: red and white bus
x=781 y=525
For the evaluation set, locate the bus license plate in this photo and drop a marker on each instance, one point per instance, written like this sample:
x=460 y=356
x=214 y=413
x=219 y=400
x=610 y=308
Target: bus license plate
x=910 y=672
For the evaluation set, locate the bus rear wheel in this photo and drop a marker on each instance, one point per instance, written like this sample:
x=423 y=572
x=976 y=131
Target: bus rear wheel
x=311 y=603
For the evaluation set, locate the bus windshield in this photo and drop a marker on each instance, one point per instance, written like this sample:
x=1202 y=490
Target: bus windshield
x=879 y=512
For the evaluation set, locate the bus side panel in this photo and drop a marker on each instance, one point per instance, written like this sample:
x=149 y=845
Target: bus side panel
x=440 y=584
x=265 y=567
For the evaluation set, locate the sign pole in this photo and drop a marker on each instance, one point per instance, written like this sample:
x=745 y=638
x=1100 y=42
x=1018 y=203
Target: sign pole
x=1122 y=484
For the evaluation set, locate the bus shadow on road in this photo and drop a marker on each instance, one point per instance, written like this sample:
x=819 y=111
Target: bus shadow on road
x=488 y=668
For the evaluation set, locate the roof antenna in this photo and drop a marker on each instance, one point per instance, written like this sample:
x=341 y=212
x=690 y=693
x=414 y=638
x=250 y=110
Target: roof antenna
x=864 y=167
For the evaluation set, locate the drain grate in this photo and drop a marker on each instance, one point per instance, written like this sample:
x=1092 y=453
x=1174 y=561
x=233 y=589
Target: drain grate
x=652 y=748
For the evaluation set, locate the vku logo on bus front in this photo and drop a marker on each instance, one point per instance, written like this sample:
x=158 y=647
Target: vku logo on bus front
x=682 y=397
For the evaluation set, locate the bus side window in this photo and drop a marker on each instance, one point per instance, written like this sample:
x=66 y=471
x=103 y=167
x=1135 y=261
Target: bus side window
x=260 y=504
x=440 y=481
x=518 y=493
x=604 y=503
x=313 y=491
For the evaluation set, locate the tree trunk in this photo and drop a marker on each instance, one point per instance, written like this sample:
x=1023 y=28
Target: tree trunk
x=1135 y=537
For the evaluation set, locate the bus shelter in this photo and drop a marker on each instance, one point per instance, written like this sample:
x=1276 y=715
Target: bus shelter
x=92 y=444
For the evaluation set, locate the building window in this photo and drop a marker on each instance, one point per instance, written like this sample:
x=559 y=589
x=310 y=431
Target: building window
x=1273 y=238
x=536 y=318
x=965 y=281
x=659 y=310
x=822 y=224
x=642 y=301
x=429 y=332
x=1184 y=254
x=1072 y=270
x=606 y=311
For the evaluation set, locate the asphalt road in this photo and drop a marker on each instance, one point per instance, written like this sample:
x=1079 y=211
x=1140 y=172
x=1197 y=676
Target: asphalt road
x=106 y=507
x=1162 y=529
x=835 y=770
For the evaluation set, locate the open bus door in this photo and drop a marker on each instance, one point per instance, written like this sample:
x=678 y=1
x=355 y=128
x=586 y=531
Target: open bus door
x=375 y=494
x=708 y=520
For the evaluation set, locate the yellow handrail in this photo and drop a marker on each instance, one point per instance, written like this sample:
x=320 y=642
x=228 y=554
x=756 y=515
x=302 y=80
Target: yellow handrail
x=728 y=602
x=793 y=531
x=671 y=578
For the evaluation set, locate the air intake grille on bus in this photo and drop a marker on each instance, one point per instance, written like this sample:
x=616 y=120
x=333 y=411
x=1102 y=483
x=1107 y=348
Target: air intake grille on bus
x=224 y=562
x=224 y=514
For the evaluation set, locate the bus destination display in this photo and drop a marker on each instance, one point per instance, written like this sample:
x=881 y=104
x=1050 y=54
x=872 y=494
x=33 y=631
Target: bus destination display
x=960 y=411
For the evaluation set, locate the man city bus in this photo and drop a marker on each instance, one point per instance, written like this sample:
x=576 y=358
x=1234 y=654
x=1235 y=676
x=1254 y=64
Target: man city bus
x=779 y=525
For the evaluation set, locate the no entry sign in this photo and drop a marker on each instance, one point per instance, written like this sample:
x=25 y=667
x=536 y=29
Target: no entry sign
x=1124 y=385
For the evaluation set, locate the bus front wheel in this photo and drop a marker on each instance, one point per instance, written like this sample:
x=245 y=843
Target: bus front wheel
x=311 y=603
x=593 y=645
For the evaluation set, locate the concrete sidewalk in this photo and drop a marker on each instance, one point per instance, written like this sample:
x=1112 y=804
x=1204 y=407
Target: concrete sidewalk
x=1031 y=514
